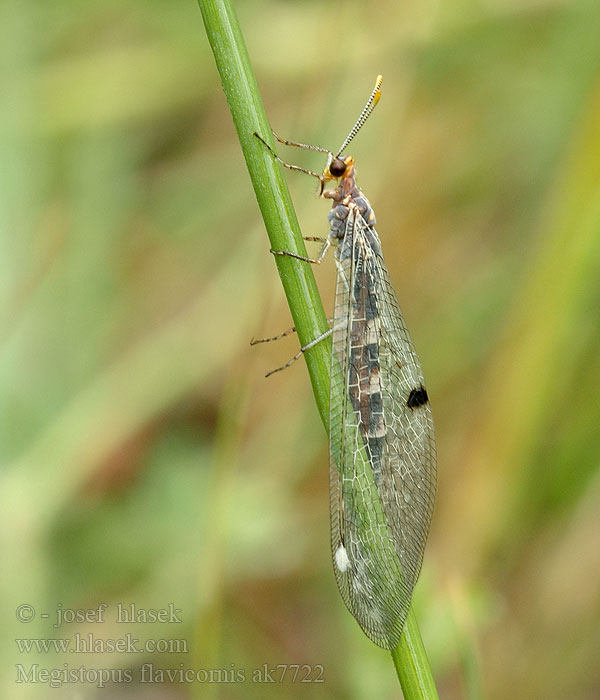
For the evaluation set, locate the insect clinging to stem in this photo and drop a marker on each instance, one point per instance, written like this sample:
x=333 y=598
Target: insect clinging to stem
x=381 y=435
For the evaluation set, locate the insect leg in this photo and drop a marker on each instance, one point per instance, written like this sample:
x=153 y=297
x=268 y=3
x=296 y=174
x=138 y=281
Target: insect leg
x=314 y=261
x=289 y=165
x=256 y=341
x=306 y=146
x=298 y=355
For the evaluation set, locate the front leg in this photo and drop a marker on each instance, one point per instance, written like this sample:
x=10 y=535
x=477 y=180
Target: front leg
x=290 y=166
x=313 y=261
x=332 y=194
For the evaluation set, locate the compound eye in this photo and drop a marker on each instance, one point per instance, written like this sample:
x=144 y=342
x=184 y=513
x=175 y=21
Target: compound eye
x=337 y=167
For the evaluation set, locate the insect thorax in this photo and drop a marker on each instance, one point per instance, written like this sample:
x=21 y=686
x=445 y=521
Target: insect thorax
x=341 y=208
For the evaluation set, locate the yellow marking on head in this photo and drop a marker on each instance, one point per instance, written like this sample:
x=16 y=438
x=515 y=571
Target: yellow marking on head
x=327 y=176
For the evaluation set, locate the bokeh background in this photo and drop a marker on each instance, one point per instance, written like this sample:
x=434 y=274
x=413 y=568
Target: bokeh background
x=147 y=460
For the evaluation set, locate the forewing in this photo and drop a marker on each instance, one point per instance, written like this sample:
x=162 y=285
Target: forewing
x=383 y=466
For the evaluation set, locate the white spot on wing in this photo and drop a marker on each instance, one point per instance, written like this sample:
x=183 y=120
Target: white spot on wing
x=341 y=558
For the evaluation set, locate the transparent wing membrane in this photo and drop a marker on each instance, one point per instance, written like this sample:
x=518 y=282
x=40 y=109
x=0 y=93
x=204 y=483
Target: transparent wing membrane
x=383 y=466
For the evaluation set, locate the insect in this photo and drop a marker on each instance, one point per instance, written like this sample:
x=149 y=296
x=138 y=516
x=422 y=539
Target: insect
x=381 y=435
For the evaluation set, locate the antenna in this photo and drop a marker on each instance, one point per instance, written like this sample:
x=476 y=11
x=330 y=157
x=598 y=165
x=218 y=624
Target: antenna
x=364 y=115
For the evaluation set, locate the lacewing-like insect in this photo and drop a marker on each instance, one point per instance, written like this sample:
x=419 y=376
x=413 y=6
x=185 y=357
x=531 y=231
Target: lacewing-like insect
x=381 y=436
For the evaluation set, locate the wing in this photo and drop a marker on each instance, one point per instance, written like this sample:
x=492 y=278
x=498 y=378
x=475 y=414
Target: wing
x=383 y=464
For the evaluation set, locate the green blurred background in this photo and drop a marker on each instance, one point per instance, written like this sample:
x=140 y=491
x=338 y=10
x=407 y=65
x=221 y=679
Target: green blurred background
x=147 y=461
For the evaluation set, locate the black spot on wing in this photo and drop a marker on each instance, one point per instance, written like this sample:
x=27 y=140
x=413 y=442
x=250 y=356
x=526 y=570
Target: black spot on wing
x=417 y=397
